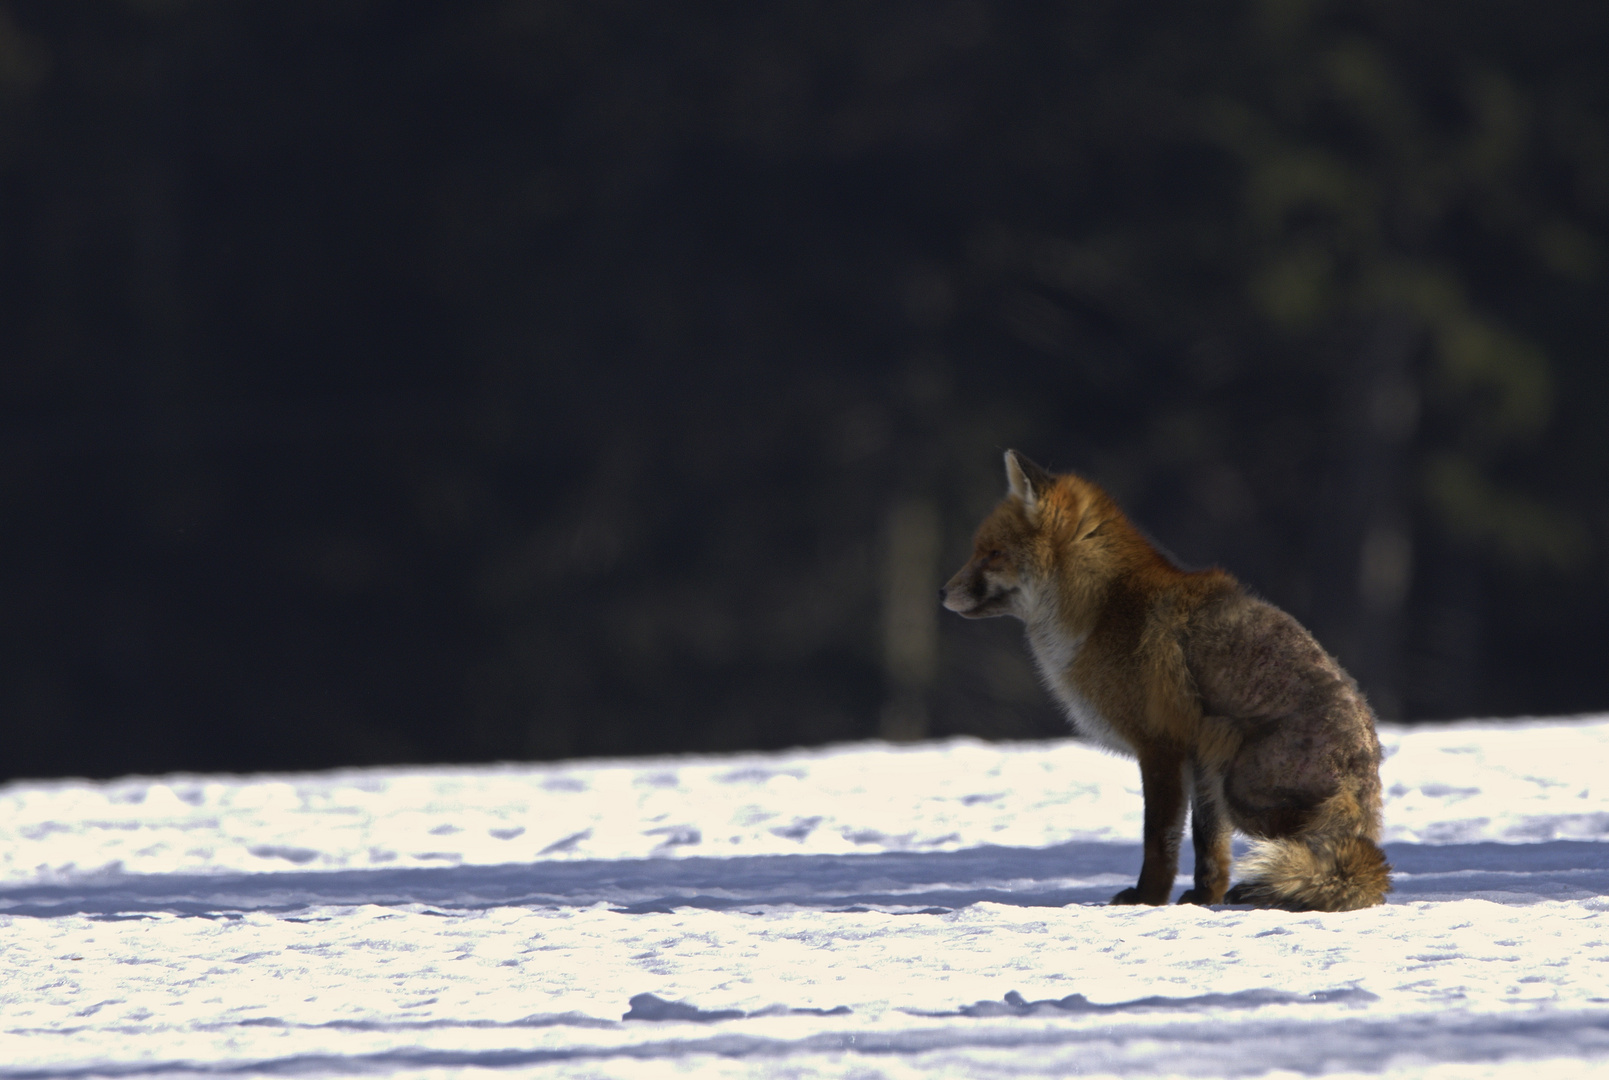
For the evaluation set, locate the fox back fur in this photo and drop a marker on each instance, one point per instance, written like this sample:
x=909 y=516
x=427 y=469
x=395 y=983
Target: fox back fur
x=1229 y=705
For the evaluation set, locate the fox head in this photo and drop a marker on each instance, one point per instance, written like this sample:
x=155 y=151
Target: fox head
x=1043 y=545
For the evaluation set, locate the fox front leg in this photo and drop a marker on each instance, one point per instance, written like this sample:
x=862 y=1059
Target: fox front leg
x=1209 y=829
x=1162 y=782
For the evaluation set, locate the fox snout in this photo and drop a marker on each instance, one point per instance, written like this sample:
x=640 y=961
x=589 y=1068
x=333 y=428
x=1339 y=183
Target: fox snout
x=971 y=594
x=953 y=594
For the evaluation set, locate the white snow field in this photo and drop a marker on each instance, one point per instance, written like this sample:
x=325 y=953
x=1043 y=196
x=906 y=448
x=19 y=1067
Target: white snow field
x=863 y=911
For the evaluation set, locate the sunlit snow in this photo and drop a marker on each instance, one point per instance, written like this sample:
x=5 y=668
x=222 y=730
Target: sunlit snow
x=856 y=911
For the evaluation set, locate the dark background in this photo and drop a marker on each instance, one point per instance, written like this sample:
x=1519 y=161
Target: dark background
x=498 y=379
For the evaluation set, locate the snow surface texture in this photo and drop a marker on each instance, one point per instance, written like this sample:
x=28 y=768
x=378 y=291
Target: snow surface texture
x=862 y=911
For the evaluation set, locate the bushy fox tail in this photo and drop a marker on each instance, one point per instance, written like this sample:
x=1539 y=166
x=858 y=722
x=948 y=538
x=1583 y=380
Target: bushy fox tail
x=1313 y=874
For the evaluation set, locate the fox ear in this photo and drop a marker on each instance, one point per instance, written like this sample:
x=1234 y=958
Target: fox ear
x=1028 y=481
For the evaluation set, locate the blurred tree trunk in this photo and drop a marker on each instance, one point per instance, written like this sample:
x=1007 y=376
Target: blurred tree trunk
x=1365 y=513
x=910 y=616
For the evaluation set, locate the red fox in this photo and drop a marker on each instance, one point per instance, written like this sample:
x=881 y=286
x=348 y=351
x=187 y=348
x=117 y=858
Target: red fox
x=1216 y=693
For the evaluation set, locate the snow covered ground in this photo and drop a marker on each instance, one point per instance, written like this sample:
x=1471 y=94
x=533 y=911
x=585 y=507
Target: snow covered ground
x=856 y=911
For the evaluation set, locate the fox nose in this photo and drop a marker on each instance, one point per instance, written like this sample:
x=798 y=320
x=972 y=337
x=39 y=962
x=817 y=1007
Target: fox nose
x=944 y=593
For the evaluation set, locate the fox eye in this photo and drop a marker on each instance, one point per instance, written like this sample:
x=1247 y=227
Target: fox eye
x=996 y=553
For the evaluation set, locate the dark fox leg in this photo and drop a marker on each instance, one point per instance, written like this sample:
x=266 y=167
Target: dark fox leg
x=1162 y=781
x=1209 y=829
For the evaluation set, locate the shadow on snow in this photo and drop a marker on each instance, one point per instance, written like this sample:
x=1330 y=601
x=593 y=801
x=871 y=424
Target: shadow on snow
x=901 y=882
x=1353 y=1044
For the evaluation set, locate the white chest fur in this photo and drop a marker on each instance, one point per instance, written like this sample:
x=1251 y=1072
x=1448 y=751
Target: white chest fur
x=1055 y=652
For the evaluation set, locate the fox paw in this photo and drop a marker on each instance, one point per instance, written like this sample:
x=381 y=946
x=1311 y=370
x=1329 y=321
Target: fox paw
x=1132 y=895
x=1196 y=896
x=1259 y=894
x=1250 y=892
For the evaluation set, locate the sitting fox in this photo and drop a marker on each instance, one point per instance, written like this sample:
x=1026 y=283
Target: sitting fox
x=1216 y=693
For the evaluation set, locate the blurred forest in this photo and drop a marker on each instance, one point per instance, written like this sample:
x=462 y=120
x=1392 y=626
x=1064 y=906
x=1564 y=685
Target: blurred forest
x=497 y=379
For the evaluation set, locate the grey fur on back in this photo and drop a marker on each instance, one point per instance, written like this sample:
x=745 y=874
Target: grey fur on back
x=1306 y=730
